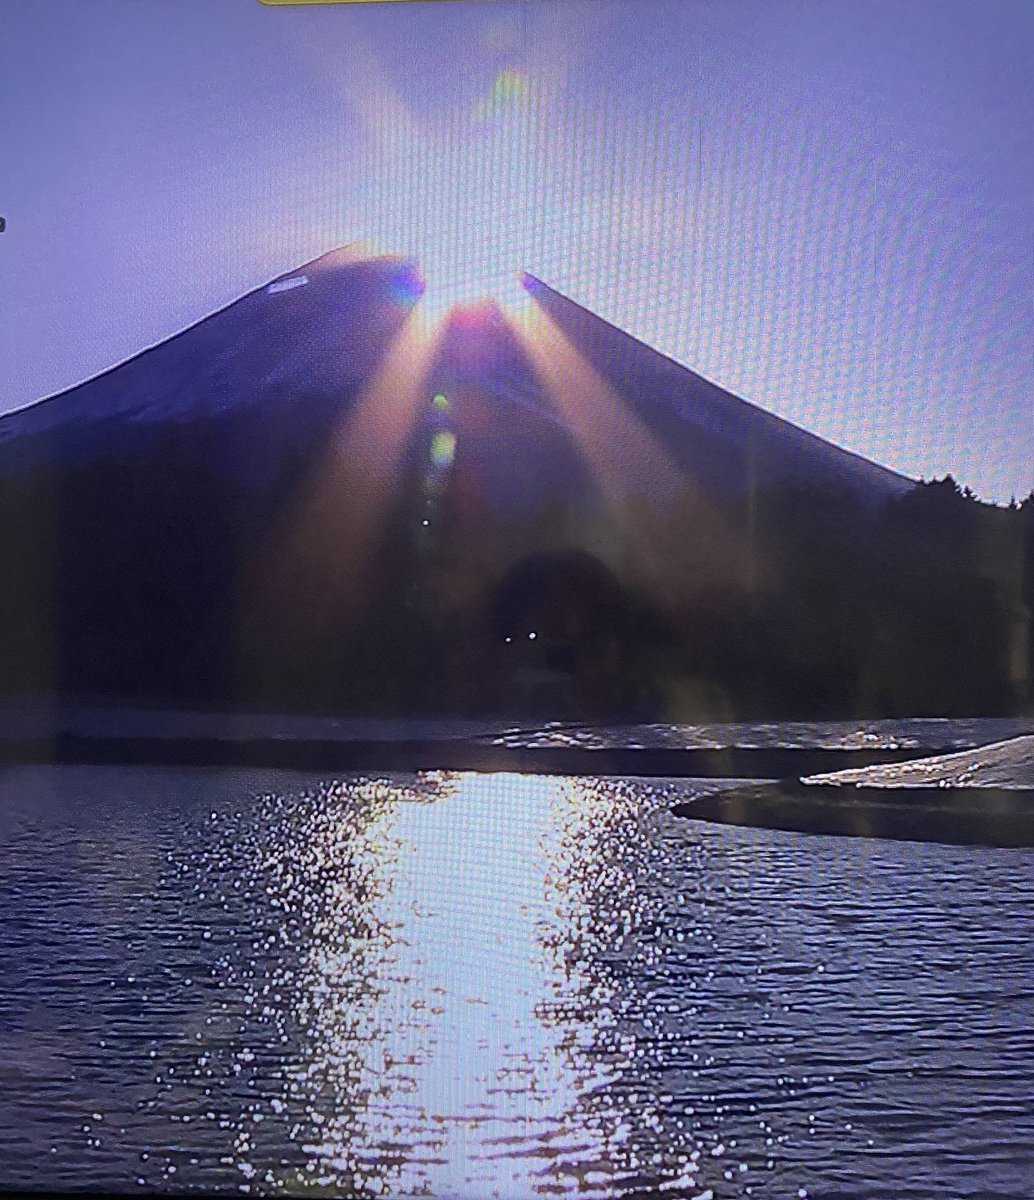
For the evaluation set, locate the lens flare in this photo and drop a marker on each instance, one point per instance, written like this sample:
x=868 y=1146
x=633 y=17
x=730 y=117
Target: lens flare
x=511 y=90
x=407 y=286
x=443 y=448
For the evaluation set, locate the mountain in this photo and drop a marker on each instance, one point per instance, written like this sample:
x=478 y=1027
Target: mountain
x=289 y=354
x=717 y=438
x=312 y=498
x=295 y=351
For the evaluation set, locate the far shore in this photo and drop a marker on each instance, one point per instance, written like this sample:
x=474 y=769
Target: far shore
x=445 y=754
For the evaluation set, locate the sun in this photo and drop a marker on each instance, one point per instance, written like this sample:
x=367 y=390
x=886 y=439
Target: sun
x=463 y=186
x=450 y=284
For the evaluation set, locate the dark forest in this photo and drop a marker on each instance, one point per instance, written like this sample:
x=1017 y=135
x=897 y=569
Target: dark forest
x=141 y=578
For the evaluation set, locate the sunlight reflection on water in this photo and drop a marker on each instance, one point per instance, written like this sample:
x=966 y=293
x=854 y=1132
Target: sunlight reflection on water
x=471 y=1066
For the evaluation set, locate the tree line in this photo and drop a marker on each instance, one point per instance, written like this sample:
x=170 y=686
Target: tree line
x=127 y=577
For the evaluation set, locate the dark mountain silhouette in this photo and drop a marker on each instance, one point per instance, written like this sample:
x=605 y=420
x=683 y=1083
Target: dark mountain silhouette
x=721 y=441
x=308 y=500
x=281 y=361
x=295 y=351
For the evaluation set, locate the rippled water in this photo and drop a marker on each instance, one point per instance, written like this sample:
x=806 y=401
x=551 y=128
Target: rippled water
x=465 y=985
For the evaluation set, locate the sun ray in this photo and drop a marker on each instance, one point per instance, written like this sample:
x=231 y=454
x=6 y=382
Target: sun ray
x=599 y=419
x=626 y=460
x=313 y=574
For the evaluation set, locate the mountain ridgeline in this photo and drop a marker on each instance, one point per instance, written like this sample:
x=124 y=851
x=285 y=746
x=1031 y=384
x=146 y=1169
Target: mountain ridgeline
x=290 y=505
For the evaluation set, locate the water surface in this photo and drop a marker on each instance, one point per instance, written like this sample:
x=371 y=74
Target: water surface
x=463 y=985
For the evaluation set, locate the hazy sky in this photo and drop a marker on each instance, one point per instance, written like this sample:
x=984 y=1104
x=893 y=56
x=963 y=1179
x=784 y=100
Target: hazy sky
x=826 y=206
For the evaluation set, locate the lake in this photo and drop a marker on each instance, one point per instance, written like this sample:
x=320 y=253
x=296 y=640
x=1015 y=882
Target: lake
x=463 y=985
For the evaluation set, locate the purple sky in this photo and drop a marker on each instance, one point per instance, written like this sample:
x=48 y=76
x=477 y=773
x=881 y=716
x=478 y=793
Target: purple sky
x=826 y=206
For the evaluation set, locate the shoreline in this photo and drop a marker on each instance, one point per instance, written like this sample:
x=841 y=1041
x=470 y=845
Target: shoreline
x=990 y=816
x=442 y=754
